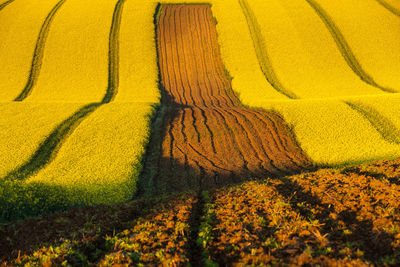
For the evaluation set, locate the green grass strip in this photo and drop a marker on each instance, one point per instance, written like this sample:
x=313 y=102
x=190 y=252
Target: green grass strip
x=261 y=51
x=383 y=125
x=344 y=47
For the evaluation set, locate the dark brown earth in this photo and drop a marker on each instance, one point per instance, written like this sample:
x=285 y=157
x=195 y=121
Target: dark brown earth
x=344 y=217
x=209 y=138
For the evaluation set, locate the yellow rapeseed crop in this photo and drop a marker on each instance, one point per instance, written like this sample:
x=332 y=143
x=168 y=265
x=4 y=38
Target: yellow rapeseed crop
x=21 y=22
x=303 y=53
x=103 y=156
x=334 y=134
x=238 y=53
x=75 y=64
x=388 y=108
x=23 y=126
x=391 y=5
x=372 y=32
x=138 y=58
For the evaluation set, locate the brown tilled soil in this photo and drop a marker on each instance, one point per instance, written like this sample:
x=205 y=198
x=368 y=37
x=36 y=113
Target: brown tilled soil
x=209 y=138
x=345 y=217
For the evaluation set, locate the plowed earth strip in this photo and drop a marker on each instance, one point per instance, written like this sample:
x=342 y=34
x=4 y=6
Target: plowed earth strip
x=209 y=139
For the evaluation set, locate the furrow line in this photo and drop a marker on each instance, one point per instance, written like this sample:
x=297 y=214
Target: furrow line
x=211 y=58
x=205 y=158
x=194 y=125
x=163 y=65
x=39 y=53
x=177 y=54
x=183 y=125
x=192 y=49
x=344 y=47
x=264 y=147
x=221 y=72
x=255 y=144
x=184 y=59
x=205 y=77
x=170 y=51
x=261 y=51
x=234 y=142
x=268 y=125
x=208 y=129
x=278 y=137
x=248 y=143
x=282 y=137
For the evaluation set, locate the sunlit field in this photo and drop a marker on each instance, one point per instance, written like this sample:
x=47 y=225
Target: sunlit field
x=202 y=133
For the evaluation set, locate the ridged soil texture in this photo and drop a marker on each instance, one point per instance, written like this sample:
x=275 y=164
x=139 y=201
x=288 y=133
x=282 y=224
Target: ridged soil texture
x=209 y=139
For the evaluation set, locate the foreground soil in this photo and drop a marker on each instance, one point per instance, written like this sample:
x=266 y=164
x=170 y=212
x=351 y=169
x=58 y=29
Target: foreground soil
x=347 y=217
x=208 y=138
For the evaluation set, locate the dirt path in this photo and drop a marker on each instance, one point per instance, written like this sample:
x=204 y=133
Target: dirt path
x=209 y=139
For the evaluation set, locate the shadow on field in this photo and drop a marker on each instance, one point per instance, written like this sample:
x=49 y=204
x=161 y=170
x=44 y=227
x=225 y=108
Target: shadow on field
x=89 y=226
x=375 y=244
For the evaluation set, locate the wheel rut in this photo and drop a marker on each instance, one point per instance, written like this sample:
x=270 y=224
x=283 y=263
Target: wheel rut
x=209 y=139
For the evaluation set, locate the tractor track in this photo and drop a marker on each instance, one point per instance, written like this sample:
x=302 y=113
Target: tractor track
x=386 y=5
x=382 y=125
x=344 y=47
x=209 y=139
x=261 y=51
x=49 y=148
x=6 y=3
x=39 y=53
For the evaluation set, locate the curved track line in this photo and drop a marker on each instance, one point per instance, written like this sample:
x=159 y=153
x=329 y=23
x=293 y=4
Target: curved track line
x=38 y=53
x=113 y=54
x=344 y=47
x=261 y=51
x=6 y=4
x=49 y=148
x=392 y=9
x=382 y=125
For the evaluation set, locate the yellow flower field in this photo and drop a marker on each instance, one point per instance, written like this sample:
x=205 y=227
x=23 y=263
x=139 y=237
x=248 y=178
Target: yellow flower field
x=103 y=155
x=310 y=67
x=333 y=134
x=74 y=67
x=337 y=60
x=18 y=35
x=23 y=128
x=138 y=68
x=373 y=33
